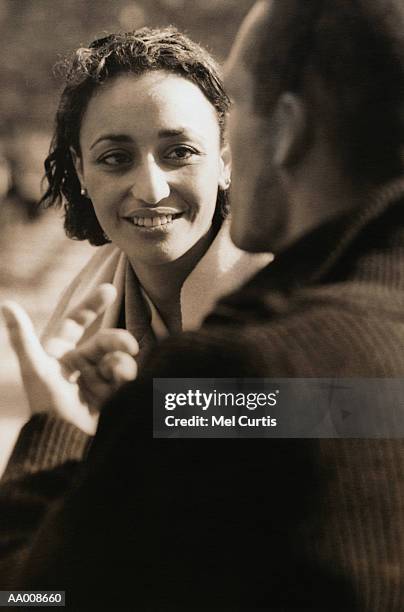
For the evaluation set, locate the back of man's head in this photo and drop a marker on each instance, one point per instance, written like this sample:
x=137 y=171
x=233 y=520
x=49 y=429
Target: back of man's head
x=346 y=59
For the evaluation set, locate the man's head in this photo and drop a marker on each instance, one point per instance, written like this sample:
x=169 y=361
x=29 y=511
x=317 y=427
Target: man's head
x=318 y=87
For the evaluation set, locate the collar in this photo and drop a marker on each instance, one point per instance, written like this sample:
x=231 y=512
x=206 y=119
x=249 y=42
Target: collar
x=157 y=324
x=314 y=257
x=223 y=269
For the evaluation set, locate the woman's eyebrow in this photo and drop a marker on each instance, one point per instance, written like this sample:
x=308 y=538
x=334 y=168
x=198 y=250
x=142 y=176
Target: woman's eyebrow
x=112 y=137
x=165 y=133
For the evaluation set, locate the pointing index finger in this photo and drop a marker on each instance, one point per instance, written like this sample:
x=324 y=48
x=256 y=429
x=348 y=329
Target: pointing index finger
x=23 y=337
x=72 y=328
x=94 y=305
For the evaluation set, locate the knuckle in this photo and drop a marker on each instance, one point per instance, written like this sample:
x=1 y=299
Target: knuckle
x=120 y=338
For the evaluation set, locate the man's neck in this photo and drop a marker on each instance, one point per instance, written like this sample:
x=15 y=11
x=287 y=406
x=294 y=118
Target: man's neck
x=319 y=192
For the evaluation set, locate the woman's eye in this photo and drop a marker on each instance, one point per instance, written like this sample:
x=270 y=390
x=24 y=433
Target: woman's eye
x=115 y=159
x=181 y=154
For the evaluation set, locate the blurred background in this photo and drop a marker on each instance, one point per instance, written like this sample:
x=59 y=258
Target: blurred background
x=37 y=260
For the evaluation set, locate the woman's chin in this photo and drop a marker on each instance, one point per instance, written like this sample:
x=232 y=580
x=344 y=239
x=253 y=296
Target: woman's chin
x=157 y=258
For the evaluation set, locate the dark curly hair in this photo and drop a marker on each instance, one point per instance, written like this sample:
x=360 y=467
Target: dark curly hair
x=355 y=50
x=131 y=52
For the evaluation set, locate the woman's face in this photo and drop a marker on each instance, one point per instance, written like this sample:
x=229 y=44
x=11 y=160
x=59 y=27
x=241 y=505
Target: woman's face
x=152 y=162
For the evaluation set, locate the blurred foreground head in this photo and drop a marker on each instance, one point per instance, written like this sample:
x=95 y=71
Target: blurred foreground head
x=87 y=73
x=319 y=90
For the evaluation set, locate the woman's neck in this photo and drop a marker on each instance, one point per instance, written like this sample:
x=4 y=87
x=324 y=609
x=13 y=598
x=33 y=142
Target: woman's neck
x=163 y=283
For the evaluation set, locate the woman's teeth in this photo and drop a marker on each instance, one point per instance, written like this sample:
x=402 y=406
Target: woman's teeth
x=153 y=221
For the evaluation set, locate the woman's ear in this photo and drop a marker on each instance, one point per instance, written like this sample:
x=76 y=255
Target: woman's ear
x=225 y=167
x=78 y=165
x=290 y=131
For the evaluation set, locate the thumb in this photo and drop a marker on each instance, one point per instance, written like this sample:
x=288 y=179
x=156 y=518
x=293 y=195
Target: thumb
x=23 y=337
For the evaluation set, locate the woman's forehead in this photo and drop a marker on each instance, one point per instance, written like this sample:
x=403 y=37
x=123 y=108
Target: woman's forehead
x=156 y=102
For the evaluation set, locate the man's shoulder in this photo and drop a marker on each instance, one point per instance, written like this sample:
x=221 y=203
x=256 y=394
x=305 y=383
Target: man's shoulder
x=339 y=329
x=259 y=302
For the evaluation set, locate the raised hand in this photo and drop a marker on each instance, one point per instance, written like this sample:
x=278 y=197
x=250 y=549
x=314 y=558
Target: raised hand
x=67 y=379
x=102 y=364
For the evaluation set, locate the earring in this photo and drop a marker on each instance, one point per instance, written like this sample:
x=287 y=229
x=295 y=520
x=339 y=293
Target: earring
x=228 y=182
x=83 y=191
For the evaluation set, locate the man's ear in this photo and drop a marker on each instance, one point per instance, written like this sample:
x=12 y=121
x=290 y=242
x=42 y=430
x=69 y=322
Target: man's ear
x=78 y=165
x=290 y=130
x=225 y=167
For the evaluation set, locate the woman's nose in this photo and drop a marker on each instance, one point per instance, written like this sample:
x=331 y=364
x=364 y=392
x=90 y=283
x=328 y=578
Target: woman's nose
x=150 y=183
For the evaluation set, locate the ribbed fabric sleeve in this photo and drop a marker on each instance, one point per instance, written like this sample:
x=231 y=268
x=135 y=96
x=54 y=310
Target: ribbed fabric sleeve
x=44 y=443
x=43 y=466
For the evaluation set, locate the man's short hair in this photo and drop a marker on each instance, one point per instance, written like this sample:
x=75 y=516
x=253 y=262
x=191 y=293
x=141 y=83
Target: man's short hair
x=354 y=51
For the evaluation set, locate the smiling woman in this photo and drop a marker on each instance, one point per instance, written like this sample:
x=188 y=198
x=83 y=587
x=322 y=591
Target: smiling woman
x=139 y=160
x=151 y=161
